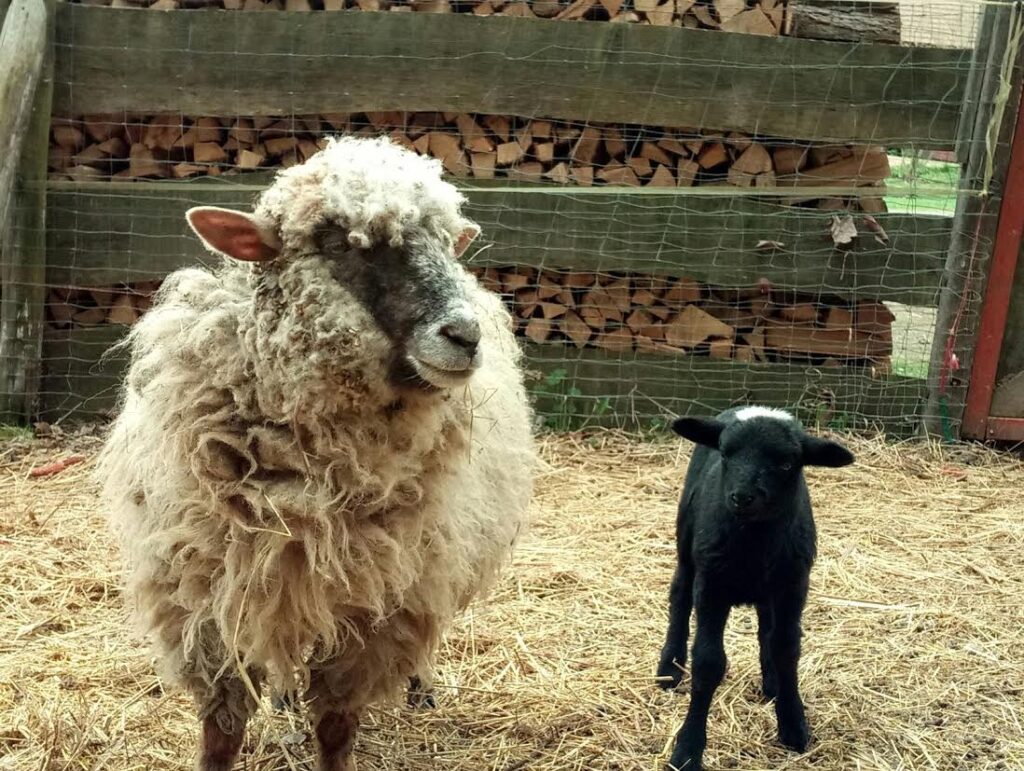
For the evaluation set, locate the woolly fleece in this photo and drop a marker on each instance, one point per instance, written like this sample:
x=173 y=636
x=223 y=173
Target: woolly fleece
x=284 y=511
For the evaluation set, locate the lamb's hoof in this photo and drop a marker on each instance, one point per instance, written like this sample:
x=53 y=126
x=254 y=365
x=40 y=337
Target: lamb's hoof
x=670 y=674
x=684 y=761
x=795 y=736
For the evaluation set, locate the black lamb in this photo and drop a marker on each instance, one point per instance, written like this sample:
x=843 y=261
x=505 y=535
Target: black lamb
x=744 y=536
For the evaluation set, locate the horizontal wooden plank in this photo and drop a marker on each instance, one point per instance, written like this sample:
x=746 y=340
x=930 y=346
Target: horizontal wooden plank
x=571 y=387
x=104 y=233
x=637 y=390
x=215 y=63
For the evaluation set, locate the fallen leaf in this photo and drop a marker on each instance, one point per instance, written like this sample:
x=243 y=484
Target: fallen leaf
x=843 y=230
x=769 y=245
x=880 y=235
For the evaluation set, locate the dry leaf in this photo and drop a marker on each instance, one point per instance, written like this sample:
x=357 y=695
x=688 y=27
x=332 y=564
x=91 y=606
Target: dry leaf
x=880 y=235
x=843 y=230
x=769 y=245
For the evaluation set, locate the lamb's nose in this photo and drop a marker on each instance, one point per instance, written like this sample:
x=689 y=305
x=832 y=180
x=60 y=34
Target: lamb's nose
x=741 y=499
x=464 y=332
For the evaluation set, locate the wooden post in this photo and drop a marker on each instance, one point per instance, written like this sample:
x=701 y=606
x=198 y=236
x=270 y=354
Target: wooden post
x=26 y=90
x=974 y=222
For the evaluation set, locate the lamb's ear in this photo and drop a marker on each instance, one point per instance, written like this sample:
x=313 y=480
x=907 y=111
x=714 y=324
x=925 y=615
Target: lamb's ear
x=466 y=237
x=233 y=233
x=704 y=431
x=823 y=452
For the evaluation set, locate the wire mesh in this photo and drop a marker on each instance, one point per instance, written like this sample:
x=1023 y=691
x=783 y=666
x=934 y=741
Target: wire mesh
x=652 y=269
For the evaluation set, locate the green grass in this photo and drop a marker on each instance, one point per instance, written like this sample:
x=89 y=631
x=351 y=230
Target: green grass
x=9 y=433
x=907 y=368
x=919 y=186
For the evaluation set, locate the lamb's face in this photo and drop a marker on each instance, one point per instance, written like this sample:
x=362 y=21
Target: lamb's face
x=418 y=295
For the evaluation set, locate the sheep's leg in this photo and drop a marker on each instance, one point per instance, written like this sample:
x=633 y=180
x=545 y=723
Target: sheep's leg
x=709 y=664
x=335 y=720
x=785 y=652
x=224 y=711
x=421 y=693
x=336 y=738
x=680 y=605
x=769 y=684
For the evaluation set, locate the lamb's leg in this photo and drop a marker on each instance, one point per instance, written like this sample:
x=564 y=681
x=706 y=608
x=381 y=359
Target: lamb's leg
x=769 y=684
x=785 y=651
x=421 y=693
x=680 y=604
x=709 y=664
x=224 y=709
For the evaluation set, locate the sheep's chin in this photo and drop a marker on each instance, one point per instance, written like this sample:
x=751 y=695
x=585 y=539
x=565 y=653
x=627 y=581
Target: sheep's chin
x=441 y=378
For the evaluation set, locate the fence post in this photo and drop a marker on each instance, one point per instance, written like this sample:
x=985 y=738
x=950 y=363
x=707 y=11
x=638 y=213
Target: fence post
x=26 y=88
x=983 y=153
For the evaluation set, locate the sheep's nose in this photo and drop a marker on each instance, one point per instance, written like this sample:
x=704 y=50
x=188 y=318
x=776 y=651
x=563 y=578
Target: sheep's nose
x=740 y=500
x=464 y=332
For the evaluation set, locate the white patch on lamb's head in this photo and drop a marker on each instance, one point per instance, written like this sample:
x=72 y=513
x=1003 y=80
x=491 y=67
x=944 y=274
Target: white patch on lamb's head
x=749 y=413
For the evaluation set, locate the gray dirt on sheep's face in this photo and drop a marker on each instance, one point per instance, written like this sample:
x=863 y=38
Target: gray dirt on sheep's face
x=417 y=295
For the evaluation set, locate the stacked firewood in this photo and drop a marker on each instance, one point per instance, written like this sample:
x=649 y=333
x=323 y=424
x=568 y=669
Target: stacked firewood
x=878 y=21
x=621 y=313
x=477 y=147
x=756 y=17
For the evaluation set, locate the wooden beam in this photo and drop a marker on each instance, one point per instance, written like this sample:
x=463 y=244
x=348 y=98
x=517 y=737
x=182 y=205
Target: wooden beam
x=106 y=232
x=22 y=51
x=216 y=63
x=625 y=390
x=985 y=145
x=23 y=269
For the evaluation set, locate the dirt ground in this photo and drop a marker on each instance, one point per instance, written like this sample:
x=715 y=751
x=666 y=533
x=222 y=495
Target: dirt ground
x=914 y=645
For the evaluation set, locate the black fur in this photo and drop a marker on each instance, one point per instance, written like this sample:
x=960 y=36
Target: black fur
x=744 y=536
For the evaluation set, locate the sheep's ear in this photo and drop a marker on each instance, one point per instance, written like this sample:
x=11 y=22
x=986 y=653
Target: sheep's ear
x=466 y=237
x=822 y=452
x=233 y=233
x=704 y=431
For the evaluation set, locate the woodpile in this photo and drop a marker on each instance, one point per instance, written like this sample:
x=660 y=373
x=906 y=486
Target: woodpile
x=620 y=313
x=817 y=19
x=756 y=17
x=472 y=147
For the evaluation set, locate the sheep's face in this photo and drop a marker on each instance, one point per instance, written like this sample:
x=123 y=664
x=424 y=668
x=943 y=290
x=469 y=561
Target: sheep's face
x=762 y=457
x=418 y=295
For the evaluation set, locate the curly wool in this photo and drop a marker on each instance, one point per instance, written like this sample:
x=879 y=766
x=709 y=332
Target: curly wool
x=284 y=510
x=372 y=188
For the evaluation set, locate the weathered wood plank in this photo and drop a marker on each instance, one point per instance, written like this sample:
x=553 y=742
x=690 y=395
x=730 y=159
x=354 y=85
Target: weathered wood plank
x=636 y=390
x=210 y=62
x=23 y=268
x=102 y=233
x=622 y=390
x=22 y=51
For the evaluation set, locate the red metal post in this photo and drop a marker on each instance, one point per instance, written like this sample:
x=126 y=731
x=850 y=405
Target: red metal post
x=996 y=304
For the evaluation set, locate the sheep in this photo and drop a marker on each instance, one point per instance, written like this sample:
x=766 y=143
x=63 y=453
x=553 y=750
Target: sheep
x=744 y=536
x=323 y=450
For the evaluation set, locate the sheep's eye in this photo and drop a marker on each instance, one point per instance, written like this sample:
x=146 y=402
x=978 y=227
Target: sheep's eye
x=786 y=467
x=334 y=242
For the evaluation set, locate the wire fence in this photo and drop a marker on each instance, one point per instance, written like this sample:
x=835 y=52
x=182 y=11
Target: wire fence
x=652 y=268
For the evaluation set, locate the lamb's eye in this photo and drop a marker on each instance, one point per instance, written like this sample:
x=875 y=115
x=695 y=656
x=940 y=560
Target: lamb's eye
x=786 y=467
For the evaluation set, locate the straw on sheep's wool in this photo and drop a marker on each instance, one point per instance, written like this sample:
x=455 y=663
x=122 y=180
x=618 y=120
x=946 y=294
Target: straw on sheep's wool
x=913 y=648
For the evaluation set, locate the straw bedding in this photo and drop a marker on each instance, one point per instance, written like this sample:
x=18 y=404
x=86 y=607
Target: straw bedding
x=914 y=646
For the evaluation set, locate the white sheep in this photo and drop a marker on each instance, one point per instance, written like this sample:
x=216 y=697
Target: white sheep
x=323 y=451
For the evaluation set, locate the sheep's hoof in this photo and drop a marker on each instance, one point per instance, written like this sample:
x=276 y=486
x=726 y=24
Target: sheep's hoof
x=684 y=761
x=419 y=697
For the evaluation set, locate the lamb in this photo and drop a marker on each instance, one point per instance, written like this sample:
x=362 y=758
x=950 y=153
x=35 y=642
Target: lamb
x=324 y=449
x=744 y=536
